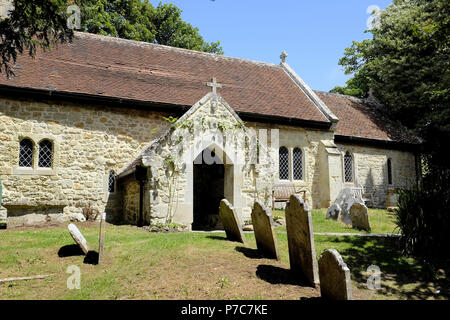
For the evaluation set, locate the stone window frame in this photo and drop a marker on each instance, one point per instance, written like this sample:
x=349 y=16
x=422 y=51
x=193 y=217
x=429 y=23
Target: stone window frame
x=36 y=139
x=350 y=152
x=291 y=151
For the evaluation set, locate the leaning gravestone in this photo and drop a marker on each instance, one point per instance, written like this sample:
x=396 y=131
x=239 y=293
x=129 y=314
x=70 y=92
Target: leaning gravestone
x=302 y=252
x=334 y=275
x=266 y=240
x=359 y=214
x=230 y=222
x=333 y=212
x=78 y=237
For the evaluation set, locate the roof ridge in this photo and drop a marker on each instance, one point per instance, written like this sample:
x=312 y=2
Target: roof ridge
x=181 y=50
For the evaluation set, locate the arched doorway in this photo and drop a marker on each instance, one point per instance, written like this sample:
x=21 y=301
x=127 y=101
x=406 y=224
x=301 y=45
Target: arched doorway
x=209 y=189
x=213 y=178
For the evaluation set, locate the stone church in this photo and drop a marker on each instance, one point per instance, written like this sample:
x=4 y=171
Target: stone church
x=150 y=133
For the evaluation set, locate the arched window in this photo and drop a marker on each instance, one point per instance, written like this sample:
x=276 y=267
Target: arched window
x=111 y=181
x=26 y=153
x=45 y=154
x=389 y=170
x=348 y=167
x=297 y=160
x=284 y=163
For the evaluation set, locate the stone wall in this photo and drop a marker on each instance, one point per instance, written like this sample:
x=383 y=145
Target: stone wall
x=370 y=170
x=309 y=141
x=89 y=141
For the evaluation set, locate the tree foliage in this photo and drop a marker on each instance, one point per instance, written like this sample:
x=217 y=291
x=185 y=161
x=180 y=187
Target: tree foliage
x=31 y=25
x=42 y=24
x=407 y=65
x=141 y=21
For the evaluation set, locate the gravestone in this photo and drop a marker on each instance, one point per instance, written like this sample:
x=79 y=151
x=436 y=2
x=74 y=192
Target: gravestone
x=333 y=212
x=343 y=202
x=266 y=240
x=101 y=237
x=334 y=275
x=302 y=252
x=78 y=237
x=3 y=212
x=230 y=222
x=359 y=214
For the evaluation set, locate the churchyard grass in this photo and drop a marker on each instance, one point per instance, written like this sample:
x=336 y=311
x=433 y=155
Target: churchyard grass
x=142 y=265
x=381 y=221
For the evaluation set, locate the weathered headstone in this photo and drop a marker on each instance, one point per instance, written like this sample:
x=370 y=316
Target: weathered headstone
x=101 y=237
x=230 y=222
x=302 y=252
x=359 y=214
x=78 y=237
x=266 y=240
x=334 y=275
x=333 y=211
x=343 y=202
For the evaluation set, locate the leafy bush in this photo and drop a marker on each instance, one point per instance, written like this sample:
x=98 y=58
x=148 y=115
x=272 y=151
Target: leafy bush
x=424 y=219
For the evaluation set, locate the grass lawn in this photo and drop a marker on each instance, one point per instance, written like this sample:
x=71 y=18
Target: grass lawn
x=143 y=265
x=381 y=221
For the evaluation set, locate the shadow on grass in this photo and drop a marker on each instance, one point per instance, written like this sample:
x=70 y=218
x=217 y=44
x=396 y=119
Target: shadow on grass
x=277 y=275
x=250 y=253
x=91 y=258
x=70 y=250
x=74 y=250
x=217 y=238
x=400 y=276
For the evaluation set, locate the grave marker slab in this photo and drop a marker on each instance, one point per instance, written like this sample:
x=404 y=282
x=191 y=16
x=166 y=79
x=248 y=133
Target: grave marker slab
x=302 y=252
x=359 y=214
x=266 y=240
x=78 y=237
x=230 y=222
x=334 y=275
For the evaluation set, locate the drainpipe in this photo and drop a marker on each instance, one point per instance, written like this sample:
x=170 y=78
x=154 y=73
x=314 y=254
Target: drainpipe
x=141 y=176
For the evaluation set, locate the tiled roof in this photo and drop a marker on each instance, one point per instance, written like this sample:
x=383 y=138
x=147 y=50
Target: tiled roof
x=111 y=67
x=361 y=118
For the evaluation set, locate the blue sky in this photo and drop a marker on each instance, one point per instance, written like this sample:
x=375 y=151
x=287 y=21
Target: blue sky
x=314 y=33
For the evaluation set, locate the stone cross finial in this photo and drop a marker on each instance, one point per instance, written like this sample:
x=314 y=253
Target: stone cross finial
x=214 y=85
x=283 y=56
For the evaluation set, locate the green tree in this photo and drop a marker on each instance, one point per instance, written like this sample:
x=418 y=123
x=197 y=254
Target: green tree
x=42 y=24
x=31 y=25
x=407 y=65
x=141 y=21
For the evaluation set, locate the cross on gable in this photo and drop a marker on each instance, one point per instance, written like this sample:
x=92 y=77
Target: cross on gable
x=214 y=85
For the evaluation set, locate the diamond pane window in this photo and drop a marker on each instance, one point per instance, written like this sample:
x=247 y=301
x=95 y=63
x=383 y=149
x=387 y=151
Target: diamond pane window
x=45 y=154
x=348 y=167
x=284 y=163
x=111 y=180
x=26 y=153
x=297 y=158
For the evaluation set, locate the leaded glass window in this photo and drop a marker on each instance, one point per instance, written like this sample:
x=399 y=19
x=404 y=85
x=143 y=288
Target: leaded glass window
x=45 y=154
x=111 y=180
x=297 y=160
x=348 y=167
x=284 y=163
x=26 y=153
